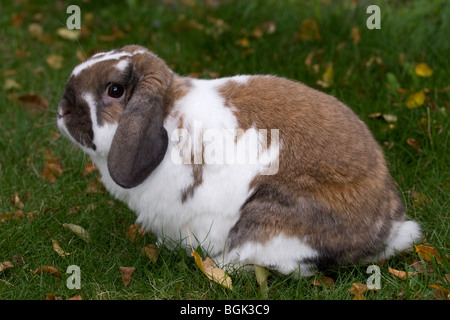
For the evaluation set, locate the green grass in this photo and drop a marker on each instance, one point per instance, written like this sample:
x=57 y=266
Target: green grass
x=204 y=39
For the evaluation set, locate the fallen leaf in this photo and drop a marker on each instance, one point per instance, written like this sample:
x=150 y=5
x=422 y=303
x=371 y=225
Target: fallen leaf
x=55 y=61
x=358 y=290
x=261 y=277
x=401 y=274
x=327 y=281
x=79 y=231
x=133 y=231
x=152 y=252
x=309 y=30
x=51 y=296
x=50 y=270
x=243 y=43
x=36 y=31
x=57 y=247
x=413 y=143
x=113 y=36
x=390 y=117
x=52 y=167
x=423 y=70
x=76 y=297
x=416 y=99
x=5 y=265
x=33 y=102
x=327 y=76
x=126 y=273
x=208 y=267
x=11 y=84
x=211 y=271
x=355 y=35
x=16 y=215
x=68 y=34
x=440 y=292
x=427 y=253
x=89 y=168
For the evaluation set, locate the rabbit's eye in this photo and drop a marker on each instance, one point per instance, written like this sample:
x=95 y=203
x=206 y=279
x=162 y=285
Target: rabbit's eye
x=116 y=90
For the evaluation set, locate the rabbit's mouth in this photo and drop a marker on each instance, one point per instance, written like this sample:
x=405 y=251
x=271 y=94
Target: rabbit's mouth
x=75 y=124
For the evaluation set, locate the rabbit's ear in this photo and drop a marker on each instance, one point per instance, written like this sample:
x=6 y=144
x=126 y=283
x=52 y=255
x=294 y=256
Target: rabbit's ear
x=140 y=141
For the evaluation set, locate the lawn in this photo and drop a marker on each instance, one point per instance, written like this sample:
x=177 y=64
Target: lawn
x=395 y=78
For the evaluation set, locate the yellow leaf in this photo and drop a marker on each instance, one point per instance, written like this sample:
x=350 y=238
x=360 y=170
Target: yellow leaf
x=261 y=277
x=243 y=42
x=208 y=267
x=11 y=84
x=423 y=70
x=358 y=290
x=427 y=253
x=415 y=100
x=327 y=76
x=212 y=272
x=68 y=34
x=58 y=249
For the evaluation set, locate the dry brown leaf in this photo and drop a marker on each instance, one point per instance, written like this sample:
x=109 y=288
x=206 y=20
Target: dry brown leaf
x=440 y=291
x=358 y=290
x=355 y=35
x=309 y=30
x=89 y=168
x=152 y=252
x=5 y=265
x=16 y=215
x=50 y=270
x=36 y=31
x=55 y=61
x=133 y=231
x=323 y=281
x=427 y=253
x=52 y=167
x=414 y=143
x=401 y=274
x=33 y=102
x=126 y=273
x=51 y=296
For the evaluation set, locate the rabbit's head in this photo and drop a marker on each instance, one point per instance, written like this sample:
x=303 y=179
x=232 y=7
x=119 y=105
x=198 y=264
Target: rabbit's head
x=113 y=103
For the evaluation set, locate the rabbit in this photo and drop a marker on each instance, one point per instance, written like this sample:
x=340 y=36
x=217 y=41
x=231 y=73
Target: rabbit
x=255 y=169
